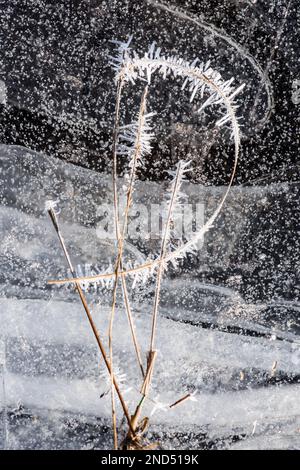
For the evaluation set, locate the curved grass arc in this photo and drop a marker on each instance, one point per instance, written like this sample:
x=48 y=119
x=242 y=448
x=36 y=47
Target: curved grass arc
x=179 y=252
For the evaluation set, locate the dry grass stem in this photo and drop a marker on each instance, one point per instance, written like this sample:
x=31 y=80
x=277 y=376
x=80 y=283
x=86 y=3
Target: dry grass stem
x=89 y=315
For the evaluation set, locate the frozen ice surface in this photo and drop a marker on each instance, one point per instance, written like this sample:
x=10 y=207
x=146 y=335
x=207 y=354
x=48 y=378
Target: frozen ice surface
x=52 y=363
x=229 y=317
x=228 y=327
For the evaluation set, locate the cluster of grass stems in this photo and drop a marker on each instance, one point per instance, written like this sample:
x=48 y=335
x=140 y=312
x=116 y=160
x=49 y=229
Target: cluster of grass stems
x=131 y=67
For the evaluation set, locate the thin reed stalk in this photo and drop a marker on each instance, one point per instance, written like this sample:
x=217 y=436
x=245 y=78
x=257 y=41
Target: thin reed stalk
x=165 y=239
x=120 y=237
x=117 y=228
x=54 y=220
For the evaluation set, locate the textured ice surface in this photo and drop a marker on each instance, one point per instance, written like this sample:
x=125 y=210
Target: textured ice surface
x=228 y=327
x=229 y=317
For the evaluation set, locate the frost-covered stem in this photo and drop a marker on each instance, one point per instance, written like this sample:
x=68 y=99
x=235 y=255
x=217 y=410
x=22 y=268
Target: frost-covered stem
x=131 y=321
x=176 y=186
x=117 y=223
x=181 y=400
x=121 y=237
x=144 y=389
x=131 y=324
x=181 y=249
x=226 y=96
x=136 y=157
x=115 y=147
x=54 y=220
x=152 y=352
x=117 y=228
